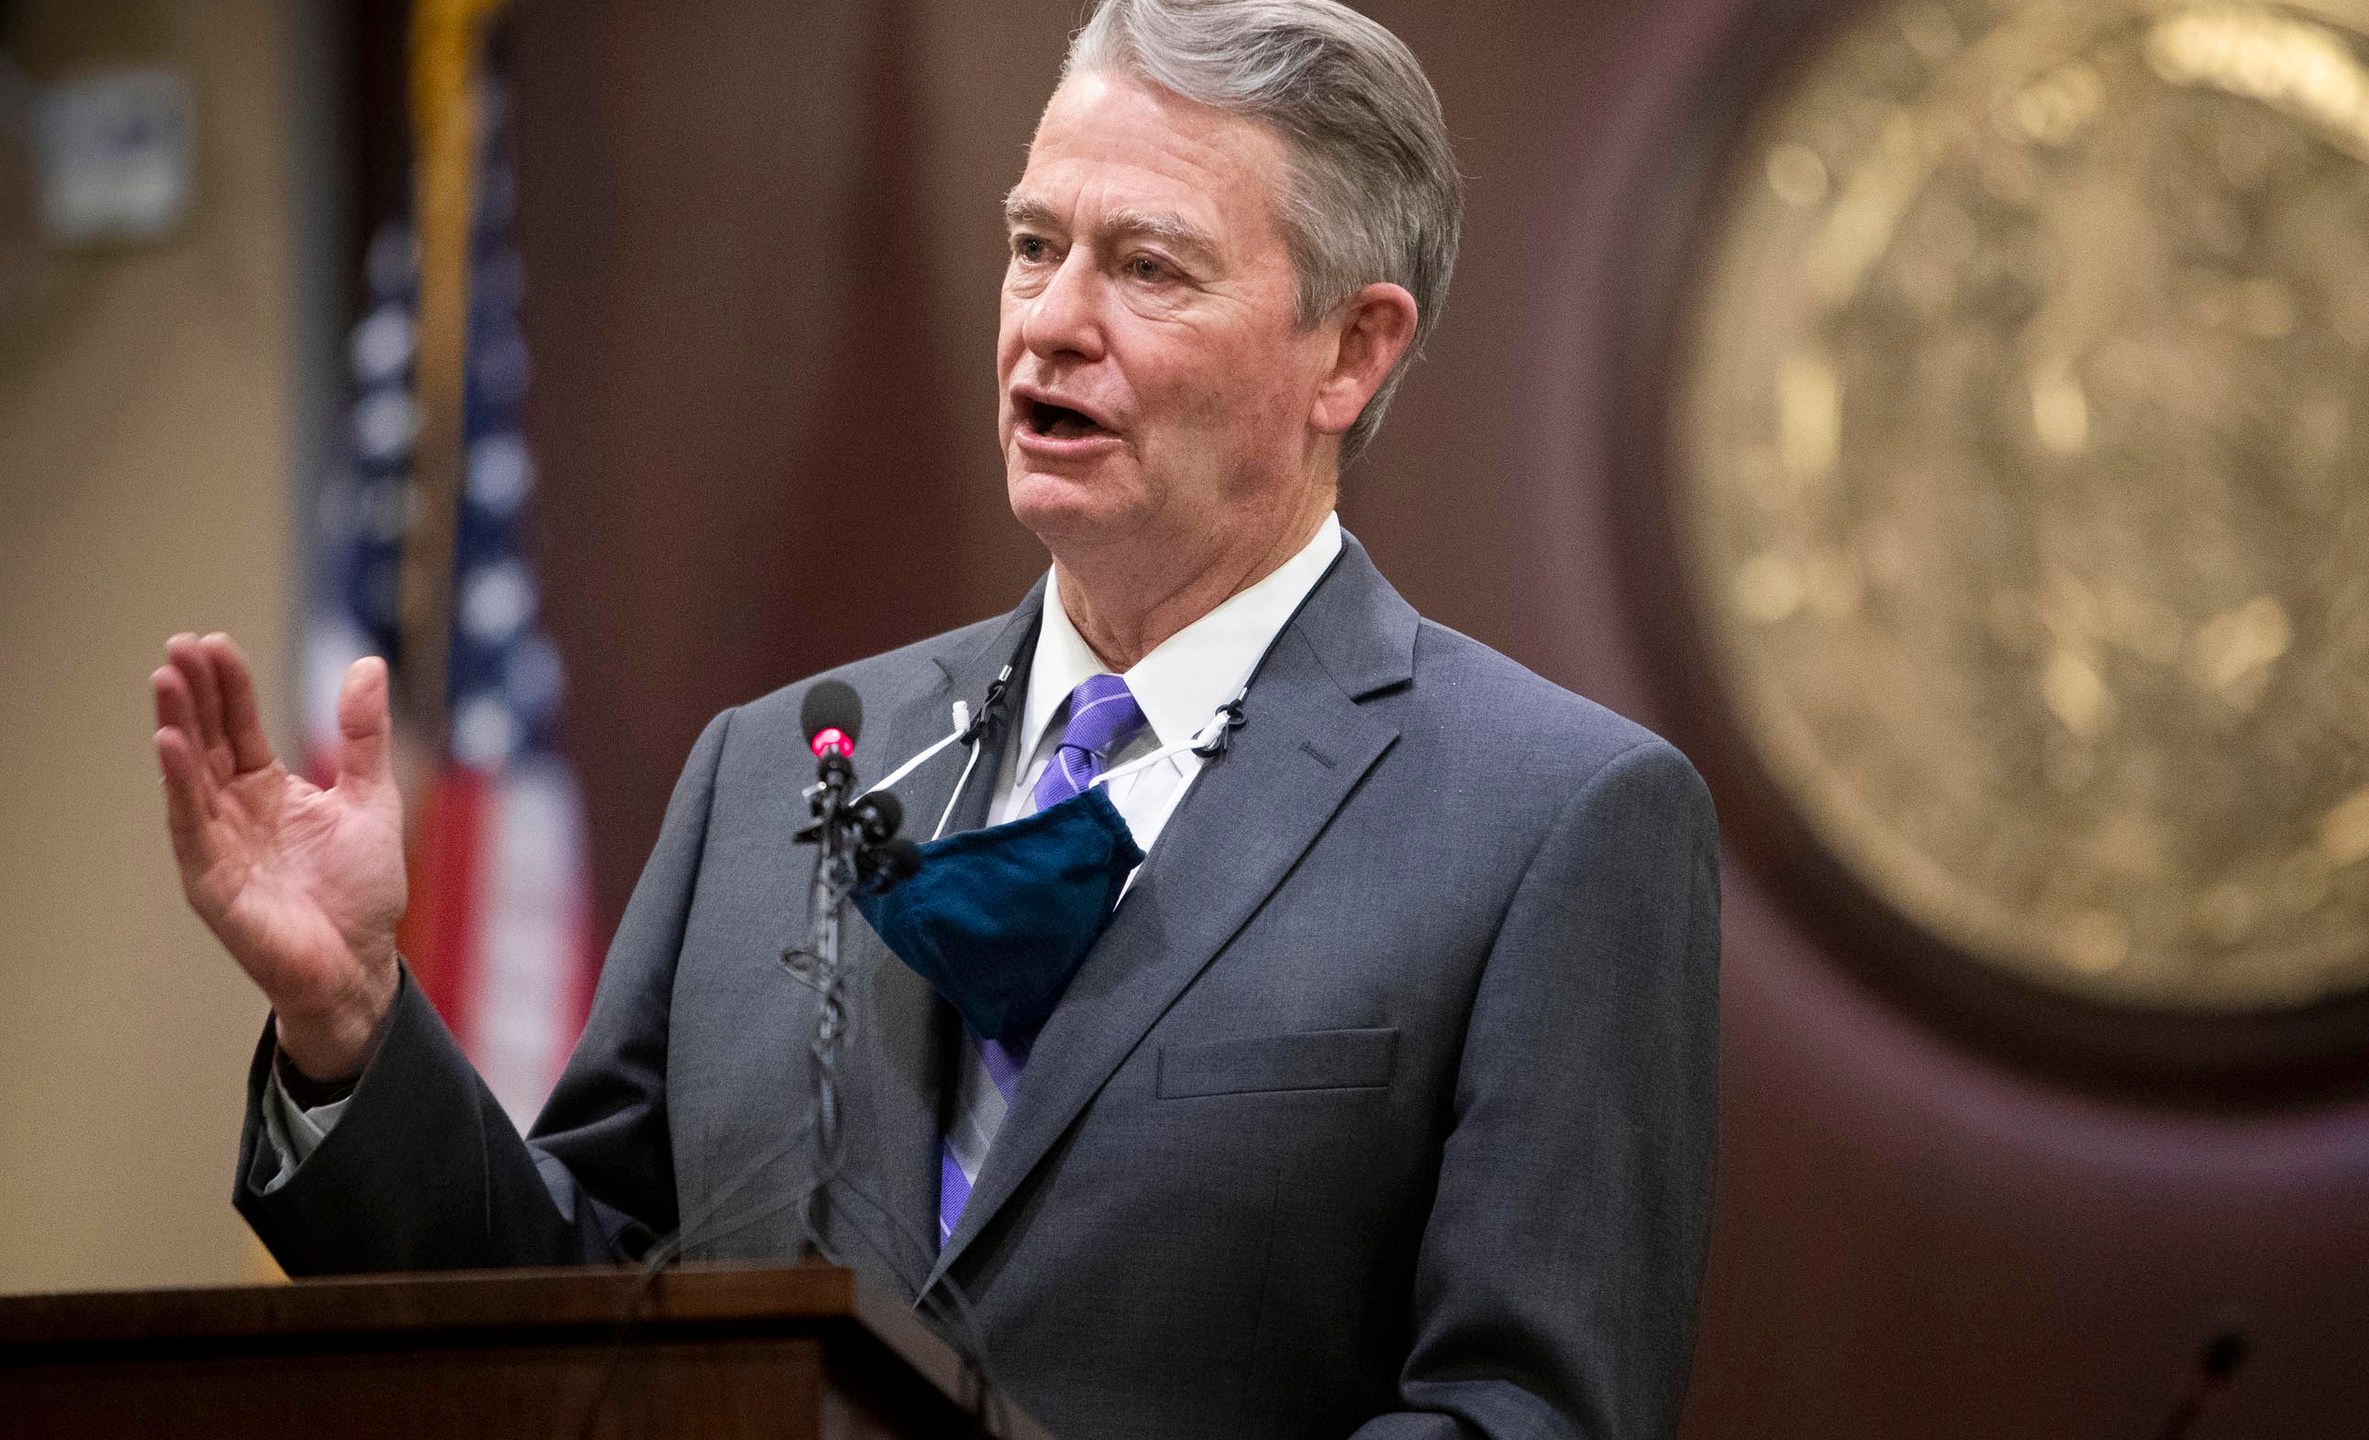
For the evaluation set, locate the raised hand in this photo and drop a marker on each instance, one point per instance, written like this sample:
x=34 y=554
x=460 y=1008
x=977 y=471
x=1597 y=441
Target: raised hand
x=302 y=885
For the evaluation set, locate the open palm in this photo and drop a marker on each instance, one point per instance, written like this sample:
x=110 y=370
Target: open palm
x=303 y=885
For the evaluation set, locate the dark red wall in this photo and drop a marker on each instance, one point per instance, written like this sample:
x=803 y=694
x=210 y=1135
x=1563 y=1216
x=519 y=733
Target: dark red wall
x=762 y=251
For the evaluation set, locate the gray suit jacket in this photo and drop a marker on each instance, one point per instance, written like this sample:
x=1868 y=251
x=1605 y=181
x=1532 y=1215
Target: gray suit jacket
x=1384 y=1106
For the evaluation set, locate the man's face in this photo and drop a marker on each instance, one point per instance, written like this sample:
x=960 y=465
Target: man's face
x=1156 y=382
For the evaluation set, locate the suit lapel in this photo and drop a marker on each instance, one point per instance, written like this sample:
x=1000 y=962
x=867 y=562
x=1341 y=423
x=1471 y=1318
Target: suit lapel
x=1248 y=818
x=896 y=1101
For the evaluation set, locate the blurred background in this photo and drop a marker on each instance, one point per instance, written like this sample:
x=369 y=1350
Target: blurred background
x=656 y=319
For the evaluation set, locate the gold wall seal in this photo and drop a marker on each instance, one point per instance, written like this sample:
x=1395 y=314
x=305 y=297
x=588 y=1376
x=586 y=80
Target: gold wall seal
x=2022 y=427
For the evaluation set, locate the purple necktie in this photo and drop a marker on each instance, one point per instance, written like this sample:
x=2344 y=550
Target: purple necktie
x=1103 y=717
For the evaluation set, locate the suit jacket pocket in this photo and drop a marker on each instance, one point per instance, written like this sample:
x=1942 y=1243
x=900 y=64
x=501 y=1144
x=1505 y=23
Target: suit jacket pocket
x=1310 y=1060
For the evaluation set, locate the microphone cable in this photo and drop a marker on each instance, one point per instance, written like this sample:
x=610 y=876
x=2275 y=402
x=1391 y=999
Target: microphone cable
x=832 y=717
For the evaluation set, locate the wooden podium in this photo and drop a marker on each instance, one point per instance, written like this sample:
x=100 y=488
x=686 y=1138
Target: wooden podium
x=715 y=1352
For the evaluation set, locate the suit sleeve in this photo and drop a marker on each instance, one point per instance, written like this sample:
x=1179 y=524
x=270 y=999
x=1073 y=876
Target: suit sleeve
x=425 y=1172
x=1556 y=1286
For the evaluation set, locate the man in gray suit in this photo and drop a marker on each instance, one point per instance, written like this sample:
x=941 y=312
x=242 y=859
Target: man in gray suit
x=1383 y=1106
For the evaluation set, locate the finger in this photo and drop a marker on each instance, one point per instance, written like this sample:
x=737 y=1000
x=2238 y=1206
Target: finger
x=248 y=747
x=205 y=690
x=173 y=708
x=364 y=729
x=185 y=784
x=176 y=712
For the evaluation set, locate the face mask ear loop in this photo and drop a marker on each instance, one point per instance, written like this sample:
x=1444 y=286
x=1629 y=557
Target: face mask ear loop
x=1208 y=742
x=972 y=730
x=889 y=781
x=1218 y=734
x=960 y=785
x=1121 y=772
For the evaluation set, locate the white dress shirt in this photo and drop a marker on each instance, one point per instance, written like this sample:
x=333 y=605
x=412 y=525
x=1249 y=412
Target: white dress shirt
x=1180 y=685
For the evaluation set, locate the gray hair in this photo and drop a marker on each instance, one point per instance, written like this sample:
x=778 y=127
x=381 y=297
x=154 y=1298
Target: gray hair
x=1374 y=194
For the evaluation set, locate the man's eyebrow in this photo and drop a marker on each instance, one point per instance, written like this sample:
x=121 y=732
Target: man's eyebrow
x=1024 y=213
x=1170 y=229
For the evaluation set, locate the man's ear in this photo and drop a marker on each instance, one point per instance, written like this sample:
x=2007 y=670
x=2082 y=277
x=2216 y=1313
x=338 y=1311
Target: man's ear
x=1375 y=327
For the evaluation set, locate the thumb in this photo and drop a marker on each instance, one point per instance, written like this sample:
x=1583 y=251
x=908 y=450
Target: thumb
x=364 y=729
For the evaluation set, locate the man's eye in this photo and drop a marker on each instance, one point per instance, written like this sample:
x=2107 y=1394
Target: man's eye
x=1145 y=268
x=1029 y=248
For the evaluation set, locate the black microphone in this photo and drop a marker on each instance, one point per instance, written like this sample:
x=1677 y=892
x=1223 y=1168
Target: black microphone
x=881 y=858
x=878 y=816
x=832 y=716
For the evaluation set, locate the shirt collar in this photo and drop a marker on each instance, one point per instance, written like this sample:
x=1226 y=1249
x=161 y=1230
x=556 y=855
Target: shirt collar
x=1181 y=683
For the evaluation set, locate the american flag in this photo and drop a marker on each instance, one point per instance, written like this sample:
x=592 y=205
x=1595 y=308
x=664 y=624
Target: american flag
x=500 y=931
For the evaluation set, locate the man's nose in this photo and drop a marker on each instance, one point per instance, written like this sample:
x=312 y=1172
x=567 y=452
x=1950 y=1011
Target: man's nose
x=1065 y=318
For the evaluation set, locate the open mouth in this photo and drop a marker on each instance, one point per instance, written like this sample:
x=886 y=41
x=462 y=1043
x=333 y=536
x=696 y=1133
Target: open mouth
x=1058 y=422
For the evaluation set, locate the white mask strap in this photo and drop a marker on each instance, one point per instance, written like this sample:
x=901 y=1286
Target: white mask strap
x=1202 y=741
x=889 y=781
x=960 y=785
x=1201 y=738
x=962 y=727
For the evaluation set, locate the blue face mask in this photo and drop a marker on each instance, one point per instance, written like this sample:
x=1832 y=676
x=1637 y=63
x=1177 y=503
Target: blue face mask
x=998 y=920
